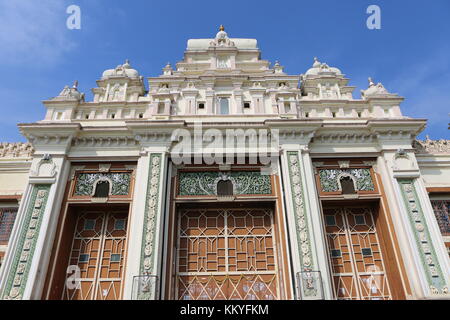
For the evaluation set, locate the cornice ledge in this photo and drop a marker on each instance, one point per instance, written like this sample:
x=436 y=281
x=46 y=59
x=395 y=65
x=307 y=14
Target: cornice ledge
x=406 y=174
x=104 y=141
x=309 y=123
x=385 y=98
x=52 y=126
x=340 y=137
x=399 y=129
x=154 y=124
x=50 y=138
x=413 y=125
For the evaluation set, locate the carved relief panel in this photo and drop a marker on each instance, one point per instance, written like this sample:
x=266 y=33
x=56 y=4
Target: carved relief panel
x=347 y=177
x=208 y=183
x=102 y=181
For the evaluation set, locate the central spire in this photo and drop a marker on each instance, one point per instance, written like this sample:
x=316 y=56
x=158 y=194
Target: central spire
x=221 y=28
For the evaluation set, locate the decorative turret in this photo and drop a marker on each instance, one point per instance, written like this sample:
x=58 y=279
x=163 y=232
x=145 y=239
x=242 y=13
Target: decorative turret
x=168 y=70
x=222 y=39
x=277 y=68
x=123 y=70
x=376 y=90
x=120 y=84
x=324 y=82
x=319 y=69
x=70 y=94
x=221 y=35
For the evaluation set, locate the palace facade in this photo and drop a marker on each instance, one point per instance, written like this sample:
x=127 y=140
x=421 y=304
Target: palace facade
x=344 y=203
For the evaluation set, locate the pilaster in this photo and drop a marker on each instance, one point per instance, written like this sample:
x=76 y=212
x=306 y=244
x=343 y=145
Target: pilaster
x=153 y=218
x=305 y=225
x=416 y=227
x=32 y=238
x=143 y=277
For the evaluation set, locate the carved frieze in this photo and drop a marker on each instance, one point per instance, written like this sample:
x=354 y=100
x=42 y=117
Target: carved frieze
x=107 y=141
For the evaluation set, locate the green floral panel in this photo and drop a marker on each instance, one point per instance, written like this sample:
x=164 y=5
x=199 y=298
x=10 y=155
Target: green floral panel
x=205 y=183
x=86 y=182
x=329 y=179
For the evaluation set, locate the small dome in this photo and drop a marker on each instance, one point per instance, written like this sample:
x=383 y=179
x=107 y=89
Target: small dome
x=123 y=70
x=221 y=34
x=375 y=90
x=68 y=93
x=318 y=68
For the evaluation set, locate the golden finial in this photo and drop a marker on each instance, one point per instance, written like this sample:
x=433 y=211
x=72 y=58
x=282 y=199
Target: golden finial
x=222 y=28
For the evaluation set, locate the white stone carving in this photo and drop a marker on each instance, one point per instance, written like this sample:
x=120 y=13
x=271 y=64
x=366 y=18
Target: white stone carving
x=221 y=39
x=46 y=167
x=152 y=206
x=116 y=92
x=375 y=90
x=432 y=146
x=16 y=150
x=402 y=161
x=223 y=62
x=68 y=94
x=122 y=70
x=320 y=68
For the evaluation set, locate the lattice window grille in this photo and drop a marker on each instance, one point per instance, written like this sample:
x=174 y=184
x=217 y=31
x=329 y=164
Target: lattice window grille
x=104 y=247
x=235 y=255
x=369 y=283
x=7 y=218
x=441 y=210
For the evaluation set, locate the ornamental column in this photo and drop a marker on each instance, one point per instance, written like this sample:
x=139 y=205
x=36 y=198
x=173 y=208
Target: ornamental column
x=304 y=216
x=257 y=92
x=143 y=275
x=308 y=253
x=418 y=233
x=237 y=91
x=30 y=247
x=210 y=106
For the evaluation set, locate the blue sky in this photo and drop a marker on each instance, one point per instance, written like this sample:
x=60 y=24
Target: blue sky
x=410 y=55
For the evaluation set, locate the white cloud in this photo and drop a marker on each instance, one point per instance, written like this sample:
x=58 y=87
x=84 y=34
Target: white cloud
x=33 y=31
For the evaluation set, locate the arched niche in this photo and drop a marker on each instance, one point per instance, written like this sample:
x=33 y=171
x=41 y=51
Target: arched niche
x=102 y=188
x=224 y=188
x=347 y=183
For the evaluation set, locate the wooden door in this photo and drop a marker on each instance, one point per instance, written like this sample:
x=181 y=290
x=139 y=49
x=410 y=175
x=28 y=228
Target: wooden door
x=355 y=254
x=226 y=254
x=98 y=253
